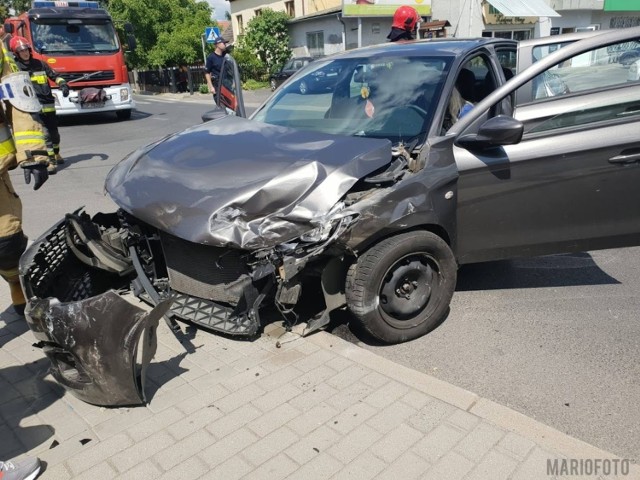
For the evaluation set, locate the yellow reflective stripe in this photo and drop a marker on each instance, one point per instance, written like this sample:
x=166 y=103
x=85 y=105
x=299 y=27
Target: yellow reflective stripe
x=28 y=137
x=39 y=77
x=28 y=132
x=9 y=59
x=60 y=80
x=7 y=147
x=48 y=109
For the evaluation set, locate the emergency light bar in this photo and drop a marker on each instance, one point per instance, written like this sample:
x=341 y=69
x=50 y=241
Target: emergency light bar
x=45 y=4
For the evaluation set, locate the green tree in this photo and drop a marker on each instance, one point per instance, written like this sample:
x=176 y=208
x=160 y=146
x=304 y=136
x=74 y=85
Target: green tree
x=267 y=36
x=18 y=7
x=167 y=31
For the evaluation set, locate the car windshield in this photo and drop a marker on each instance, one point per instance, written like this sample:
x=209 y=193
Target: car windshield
x=67 y=36
x=393 y=97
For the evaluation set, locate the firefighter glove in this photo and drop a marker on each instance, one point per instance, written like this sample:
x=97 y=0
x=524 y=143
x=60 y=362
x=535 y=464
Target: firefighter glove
x=64 y=88
x=37 y=170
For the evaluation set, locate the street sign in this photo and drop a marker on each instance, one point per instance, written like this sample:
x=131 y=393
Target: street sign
x=210 y=33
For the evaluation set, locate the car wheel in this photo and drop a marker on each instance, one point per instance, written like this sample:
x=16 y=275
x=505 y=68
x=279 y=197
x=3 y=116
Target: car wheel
x=401 y=288
x=304 y=88
x=274 y=85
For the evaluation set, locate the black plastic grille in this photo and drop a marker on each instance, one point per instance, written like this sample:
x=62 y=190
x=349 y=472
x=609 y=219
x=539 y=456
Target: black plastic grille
x=56 y=272
x=213 y=316
x=98 y=77
x=212 y=273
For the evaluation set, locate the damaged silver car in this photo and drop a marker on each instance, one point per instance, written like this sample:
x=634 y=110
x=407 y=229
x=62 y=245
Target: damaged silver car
x=366 y=195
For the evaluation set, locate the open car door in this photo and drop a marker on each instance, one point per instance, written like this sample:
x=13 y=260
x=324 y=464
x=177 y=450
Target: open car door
x=230 y=88
x=560 y=172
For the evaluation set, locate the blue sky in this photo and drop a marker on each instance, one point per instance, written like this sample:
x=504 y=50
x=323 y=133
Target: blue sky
x=220 y=6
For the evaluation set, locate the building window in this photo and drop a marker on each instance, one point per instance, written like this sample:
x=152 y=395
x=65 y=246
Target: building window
x=510 y=34
x=315 y=43
x=240 y=25
x=502 y=34
x=257 y=12
x=290 y=9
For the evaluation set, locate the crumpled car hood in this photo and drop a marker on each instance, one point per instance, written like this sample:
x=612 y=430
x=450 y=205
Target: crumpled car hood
x=242 y=183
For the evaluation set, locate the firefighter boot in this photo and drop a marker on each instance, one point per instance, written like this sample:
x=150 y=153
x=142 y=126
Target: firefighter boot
x=52 y=166
x=17 y=295
x=59 y=159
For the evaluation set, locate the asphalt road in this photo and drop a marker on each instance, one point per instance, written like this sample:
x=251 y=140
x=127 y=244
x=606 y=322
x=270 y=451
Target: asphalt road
x=556 y=338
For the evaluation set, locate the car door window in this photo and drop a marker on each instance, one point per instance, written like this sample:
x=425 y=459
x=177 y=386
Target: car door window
x=474 y=81
x=589 y=88
x=590 y=71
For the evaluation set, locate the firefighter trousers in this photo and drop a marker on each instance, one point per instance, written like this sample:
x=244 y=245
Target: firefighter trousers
x=52 y=135
x=12 y=240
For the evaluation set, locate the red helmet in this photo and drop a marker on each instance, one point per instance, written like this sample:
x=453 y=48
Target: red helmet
x=405 y=18
x=17 y=44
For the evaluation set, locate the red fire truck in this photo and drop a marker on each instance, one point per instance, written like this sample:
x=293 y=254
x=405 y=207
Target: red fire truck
x=79 y=41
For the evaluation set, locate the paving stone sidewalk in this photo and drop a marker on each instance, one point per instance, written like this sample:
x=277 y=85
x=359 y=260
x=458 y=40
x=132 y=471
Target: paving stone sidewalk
x=281 y=406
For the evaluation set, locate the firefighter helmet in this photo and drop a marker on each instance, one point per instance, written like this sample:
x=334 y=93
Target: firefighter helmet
x=17 y=44
x=405 y=18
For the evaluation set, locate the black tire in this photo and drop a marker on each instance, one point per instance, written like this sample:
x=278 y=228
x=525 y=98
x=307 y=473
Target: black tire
x=123 y=114
x=401 y=288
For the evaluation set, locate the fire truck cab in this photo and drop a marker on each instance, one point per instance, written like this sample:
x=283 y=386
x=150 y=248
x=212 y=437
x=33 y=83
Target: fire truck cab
x=79 y=41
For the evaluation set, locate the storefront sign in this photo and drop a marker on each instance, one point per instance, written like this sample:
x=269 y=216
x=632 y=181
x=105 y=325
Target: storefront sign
x=382 y=8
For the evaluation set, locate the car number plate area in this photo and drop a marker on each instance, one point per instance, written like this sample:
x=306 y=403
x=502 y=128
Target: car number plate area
x=92 y=105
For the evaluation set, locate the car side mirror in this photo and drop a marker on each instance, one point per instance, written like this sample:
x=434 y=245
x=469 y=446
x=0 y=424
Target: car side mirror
x=499 y=130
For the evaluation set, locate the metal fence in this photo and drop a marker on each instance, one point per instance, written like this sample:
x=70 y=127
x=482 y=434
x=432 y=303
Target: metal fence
x=187 y=78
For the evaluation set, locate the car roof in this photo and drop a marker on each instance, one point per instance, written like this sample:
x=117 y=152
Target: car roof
x=433 y=47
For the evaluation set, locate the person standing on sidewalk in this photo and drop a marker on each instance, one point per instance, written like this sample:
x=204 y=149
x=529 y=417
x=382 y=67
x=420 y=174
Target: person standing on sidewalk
x=214 y=65
x=26 y=469
x=40 y=74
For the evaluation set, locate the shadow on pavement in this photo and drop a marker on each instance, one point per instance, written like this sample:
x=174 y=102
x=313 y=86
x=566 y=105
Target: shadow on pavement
x=73 y=159
x=563 y=270
x=24 y=391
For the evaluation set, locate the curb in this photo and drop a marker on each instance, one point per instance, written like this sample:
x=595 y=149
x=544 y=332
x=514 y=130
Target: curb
x=501 y=416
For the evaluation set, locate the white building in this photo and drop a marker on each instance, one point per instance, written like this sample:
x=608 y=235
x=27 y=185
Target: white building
x=323 y=27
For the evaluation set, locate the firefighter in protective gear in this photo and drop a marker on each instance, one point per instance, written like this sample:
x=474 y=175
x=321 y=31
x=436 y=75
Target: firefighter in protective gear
x=404 y=23
x=40 y=74
x=27 y=149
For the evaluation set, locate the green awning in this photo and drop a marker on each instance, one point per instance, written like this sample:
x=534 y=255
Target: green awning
x=622 y=5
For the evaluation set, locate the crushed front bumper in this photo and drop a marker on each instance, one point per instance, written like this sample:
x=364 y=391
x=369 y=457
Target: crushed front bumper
x=99 y=343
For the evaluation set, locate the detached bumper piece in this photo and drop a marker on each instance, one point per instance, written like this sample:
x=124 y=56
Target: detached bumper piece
x=82 y=278
x=94 y=344
x=99 y=344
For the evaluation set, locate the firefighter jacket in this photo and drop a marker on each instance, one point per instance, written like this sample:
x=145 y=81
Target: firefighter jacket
x=28 y=140
x=40 y=74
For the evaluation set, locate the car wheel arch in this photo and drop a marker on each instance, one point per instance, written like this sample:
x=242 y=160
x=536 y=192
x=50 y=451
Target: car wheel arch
x=434 y=228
